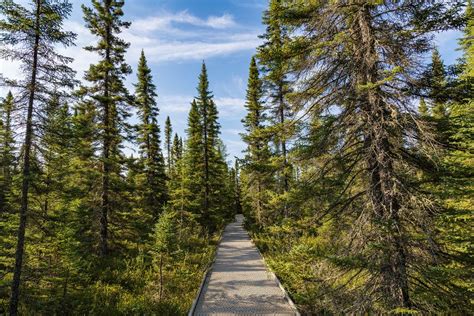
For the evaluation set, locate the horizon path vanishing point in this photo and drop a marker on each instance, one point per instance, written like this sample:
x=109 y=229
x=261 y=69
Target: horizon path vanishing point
x=239 y=283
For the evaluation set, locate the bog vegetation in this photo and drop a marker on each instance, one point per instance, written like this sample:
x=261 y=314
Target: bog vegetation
x=357 y=180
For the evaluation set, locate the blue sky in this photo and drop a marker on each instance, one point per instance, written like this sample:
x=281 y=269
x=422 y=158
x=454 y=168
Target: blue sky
x=177 y=35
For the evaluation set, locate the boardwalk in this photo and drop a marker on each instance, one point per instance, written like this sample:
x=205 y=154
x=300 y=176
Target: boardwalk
x=239 y=283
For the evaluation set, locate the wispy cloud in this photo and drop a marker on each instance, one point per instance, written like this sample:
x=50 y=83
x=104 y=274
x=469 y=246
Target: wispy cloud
x=162 y=50
x=168 y=37
x=230 y=107
x=169 y=21
x=175 y=104
x=182 y=36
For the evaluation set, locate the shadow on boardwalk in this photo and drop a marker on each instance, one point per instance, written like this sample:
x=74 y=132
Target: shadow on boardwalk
x=239 y=282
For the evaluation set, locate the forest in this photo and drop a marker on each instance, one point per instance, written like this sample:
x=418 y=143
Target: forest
x=356 y=182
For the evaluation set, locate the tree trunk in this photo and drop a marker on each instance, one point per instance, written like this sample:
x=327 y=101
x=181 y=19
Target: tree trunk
x=15 y=291
x=382 y=189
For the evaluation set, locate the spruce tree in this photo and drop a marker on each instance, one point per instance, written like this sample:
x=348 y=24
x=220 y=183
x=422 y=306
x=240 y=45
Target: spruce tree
x=31 y=36
x=8 y=201
x=455 y=185
x=467 y=45
x=205 y=168
x=82 y=185
x=437 y=86
x=168 y=143
x=206 y=111
x=335 y=51
x=108 y=92
x=7 y=148
x=149 y=140
x=194 y=178
x=176 y=150
x=204 y=130
x=275 y=68
x=52 y=166
x=257 y=160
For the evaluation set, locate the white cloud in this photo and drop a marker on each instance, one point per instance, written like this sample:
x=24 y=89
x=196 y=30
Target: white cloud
x=230 y=107
x=167 y=22
x=162 y=50
x=164 y=38
x=220 y=22
x=160 y=46
x=175 y=104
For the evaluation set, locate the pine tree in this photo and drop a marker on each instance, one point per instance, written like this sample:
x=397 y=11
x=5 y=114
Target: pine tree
x=168 y=144
x=275 y=67
x=30 y=36
x=257 y=161
x=107 y=89
x=149 y=141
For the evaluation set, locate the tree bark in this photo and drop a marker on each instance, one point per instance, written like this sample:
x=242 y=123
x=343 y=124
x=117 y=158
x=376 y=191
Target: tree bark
x=15 y=290
x=382 y=189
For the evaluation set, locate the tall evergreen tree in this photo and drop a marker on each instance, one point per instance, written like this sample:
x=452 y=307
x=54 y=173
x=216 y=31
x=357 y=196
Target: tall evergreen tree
x=194 y=160
x=168 y=143
x=107 y=90
x=257 y=160
x=275 y=67
x=82 y=185
x=149 y=140
x=336 y=48
x=455 y=185
x=7 y=147
x=8 y=201
x=30 y=36
x=208 y=117
x=467 y=44
x=437 y=86
x=52 y=165
x=205 y=168
x=177 y=149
